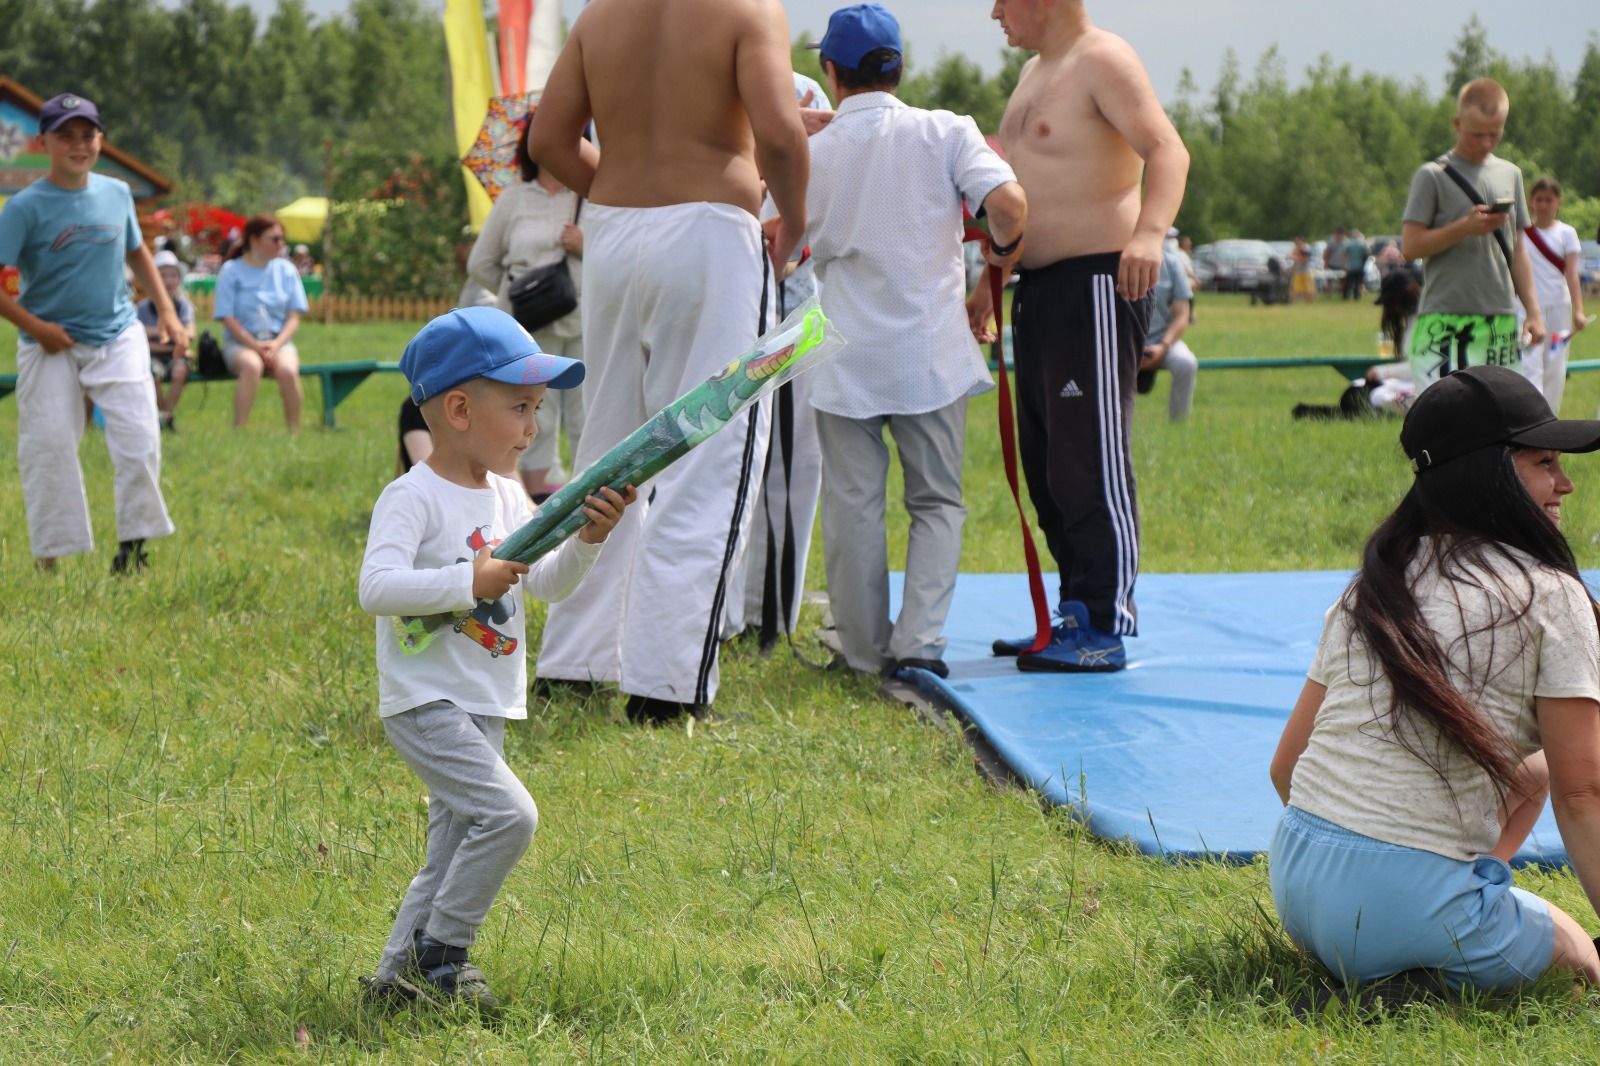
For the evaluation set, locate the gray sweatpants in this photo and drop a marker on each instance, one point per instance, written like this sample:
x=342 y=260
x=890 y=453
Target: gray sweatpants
x=480 y=822
x=855 y=471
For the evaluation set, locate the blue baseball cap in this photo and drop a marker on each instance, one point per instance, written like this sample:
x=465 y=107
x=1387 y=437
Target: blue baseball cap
x=480 y=342
x=858 y=29
x=59 y=110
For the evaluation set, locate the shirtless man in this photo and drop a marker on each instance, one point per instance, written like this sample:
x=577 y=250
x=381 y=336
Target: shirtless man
x=694 y=103
x=1083 y=130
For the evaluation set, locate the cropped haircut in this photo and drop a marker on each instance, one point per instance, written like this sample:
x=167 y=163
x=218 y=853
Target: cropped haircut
x=872 y=72
x=1485 y=96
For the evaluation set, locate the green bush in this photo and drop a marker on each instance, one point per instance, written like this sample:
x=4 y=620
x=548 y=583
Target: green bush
x=396 y=224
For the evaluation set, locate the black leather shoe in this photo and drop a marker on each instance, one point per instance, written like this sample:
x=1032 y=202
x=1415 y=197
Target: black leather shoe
x=936 y=667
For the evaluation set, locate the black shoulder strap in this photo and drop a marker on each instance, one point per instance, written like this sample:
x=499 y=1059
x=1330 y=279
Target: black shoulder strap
x=1477 y=198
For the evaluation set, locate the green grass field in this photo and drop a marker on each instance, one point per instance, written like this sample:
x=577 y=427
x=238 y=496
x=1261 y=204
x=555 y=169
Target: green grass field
x=205 y=832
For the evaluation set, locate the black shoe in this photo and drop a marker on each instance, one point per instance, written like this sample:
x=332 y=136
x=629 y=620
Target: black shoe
x=386 y=992
x=553 y=688
x=169 y=424
x=130 y=556
x=644 y=710
x=441 y=974
x=936 y=667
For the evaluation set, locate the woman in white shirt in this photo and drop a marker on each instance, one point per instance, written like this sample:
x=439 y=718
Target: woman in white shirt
x=1554 y=250
x=259 y=302
x=534 y=223
x=1456 y=686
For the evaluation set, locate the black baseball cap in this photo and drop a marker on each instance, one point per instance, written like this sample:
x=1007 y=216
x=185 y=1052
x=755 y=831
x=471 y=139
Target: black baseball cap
x=1485 y=405
x=59 y=110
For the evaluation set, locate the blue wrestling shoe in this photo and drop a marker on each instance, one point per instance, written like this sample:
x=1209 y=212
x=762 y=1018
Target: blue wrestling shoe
x=1076 y=646
x=1063 y=630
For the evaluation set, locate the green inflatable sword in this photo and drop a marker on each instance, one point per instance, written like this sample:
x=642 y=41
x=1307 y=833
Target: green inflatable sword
x=804 y=340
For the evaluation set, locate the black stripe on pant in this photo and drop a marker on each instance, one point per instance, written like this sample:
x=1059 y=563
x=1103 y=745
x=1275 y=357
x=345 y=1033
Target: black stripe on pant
x=1077 y=354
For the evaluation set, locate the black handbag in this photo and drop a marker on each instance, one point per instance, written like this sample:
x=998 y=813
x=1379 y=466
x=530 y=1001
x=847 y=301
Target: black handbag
x=544 y=294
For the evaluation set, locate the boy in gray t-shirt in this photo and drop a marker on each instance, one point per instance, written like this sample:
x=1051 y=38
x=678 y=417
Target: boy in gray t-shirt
x=1476 y=264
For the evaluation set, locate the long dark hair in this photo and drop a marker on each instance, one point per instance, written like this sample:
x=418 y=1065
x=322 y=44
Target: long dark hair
x=1399 y=296
x=253 y=229
x=1477 y=510
x=525 y=163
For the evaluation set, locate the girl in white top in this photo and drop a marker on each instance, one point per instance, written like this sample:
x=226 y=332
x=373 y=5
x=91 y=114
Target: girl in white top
x=1456 y=687
x=1554 y=249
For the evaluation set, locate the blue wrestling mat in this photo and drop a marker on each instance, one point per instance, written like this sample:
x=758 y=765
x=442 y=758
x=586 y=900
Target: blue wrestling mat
x=1172 y=753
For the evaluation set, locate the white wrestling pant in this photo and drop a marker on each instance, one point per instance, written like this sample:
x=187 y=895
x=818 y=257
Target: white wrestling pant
x=1545 y=364
x=50 y=423
x=671 y=295
x=774 y=570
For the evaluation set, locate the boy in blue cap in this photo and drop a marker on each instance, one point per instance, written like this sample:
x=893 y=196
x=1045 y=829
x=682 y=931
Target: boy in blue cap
x=70 y=234
x=446 y=690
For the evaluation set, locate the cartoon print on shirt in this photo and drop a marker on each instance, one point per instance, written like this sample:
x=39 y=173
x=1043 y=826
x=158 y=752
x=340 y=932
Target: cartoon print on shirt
x=479 y=625
x=415 y=633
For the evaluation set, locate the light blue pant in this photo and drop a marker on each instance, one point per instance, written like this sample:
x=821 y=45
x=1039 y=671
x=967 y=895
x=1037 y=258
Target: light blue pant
x=1368 y=909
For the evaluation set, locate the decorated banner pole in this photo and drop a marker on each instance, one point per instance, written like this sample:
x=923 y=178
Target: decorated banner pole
x=804 y=340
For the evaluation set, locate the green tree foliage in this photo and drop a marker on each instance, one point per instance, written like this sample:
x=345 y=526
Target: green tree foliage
x=235 y=110
x=1271 y=159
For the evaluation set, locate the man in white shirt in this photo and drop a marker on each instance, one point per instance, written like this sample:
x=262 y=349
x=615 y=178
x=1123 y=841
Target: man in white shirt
x=885 y=230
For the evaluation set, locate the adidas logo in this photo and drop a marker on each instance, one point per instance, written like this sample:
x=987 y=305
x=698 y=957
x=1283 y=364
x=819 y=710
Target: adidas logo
x=1071 y=392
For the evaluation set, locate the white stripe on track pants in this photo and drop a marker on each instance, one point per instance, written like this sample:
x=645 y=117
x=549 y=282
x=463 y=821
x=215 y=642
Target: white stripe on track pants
x=50 y=423
x=670 y=296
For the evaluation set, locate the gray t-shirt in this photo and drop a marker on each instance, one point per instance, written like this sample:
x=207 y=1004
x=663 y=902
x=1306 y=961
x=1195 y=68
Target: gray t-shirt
x=1472 y=277
x=1173 y=284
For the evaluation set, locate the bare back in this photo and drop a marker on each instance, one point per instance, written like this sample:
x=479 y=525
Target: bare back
x=668 y=94
x=1081 y=173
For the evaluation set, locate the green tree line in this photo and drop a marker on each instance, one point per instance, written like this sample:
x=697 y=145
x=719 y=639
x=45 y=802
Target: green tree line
x=234 y=109
x=251 y=112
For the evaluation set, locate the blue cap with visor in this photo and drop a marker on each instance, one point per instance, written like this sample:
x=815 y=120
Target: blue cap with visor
x=480 y=342
x=857 y=30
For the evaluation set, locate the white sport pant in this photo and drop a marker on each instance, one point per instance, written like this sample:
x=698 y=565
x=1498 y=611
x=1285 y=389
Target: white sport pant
x=50 y=423
x=1547 y=368
x=774 y=570
x=1184 y=367
x=671 y=295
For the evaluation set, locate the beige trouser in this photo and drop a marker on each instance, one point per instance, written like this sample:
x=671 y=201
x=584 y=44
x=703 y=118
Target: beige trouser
x=50 y=423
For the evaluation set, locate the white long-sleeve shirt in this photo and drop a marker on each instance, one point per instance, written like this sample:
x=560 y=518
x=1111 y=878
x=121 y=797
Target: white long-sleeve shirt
x=424 y=533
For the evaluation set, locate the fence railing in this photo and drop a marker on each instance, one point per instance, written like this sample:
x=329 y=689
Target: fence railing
x=342 y=308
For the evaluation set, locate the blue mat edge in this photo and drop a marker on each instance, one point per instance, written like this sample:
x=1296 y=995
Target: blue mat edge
x=1055 y=790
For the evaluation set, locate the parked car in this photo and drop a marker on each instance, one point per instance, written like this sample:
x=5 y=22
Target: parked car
x=1589 y=264
x=1232 y=265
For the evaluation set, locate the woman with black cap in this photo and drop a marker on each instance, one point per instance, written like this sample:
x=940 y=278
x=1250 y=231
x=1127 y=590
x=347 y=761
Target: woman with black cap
x=1456 y=686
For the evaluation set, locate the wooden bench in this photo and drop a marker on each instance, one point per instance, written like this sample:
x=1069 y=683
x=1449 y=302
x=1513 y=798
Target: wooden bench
x=339 y=380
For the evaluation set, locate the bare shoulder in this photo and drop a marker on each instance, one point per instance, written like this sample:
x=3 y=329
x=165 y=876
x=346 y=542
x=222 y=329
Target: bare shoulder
x=1107 y=53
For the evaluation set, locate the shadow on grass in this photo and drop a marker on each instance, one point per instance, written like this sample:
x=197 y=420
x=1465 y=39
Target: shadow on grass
x=1249 y=962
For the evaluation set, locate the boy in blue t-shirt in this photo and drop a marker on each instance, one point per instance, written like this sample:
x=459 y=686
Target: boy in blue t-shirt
x=69 y=234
